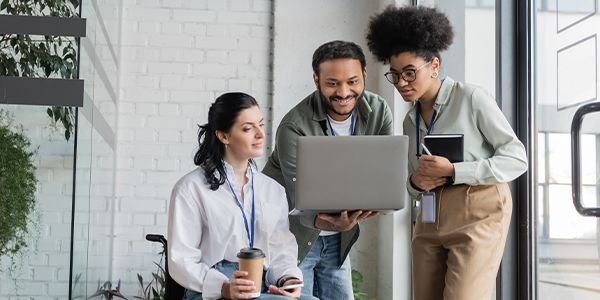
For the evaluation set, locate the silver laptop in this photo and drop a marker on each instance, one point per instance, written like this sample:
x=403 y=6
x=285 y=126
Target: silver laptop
x=350 y=173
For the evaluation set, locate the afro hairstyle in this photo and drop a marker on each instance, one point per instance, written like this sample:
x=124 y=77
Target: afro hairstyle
x=423 y=31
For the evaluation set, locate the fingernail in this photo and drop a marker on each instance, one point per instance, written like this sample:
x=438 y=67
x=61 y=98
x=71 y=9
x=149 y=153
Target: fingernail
x=252 y=282
x=245 y=273
x=280 y=292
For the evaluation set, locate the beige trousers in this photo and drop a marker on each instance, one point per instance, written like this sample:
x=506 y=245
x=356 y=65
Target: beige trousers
x=457 y=257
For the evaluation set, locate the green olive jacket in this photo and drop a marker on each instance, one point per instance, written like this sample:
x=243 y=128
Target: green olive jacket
x=309 y=118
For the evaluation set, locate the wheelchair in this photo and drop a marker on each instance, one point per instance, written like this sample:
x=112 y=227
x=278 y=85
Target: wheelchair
x=173 y=291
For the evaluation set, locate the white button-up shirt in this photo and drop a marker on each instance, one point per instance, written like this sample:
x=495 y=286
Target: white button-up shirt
x=207 y=226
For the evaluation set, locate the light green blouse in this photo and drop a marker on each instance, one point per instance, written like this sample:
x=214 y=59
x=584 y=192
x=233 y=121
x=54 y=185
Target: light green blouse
x=492 y=152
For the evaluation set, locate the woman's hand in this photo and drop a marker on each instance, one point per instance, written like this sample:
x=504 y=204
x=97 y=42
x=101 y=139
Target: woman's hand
x=426 y=183
x=293 y=293
x=234 y=289
x=435 y=166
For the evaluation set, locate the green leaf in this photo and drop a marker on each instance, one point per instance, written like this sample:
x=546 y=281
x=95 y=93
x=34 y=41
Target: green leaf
x=140 y=280
x=4 y=5
x=57 y=113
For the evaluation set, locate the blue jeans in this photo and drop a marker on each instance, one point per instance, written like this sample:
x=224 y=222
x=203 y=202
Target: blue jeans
x=227 y=268
x=323 y=278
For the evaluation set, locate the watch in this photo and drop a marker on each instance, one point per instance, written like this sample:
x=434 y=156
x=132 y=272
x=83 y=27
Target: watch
x=284 y=280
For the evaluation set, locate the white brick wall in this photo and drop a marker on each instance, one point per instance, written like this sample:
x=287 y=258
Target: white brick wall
x=178 y=56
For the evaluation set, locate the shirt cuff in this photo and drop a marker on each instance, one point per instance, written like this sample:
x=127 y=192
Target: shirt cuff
x=464 y=173
x=272 y=280
x=414 y=193
x=213 y=283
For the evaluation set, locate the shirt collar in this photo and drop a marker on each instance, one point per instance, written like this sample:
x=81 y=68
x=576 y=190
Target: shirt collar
x=441 y=99
x=230 y=174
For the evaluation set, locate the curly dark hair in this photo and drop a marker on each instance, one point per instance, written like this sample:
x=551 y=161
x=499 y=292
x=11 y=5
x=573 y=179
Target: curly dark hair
x=422 y=31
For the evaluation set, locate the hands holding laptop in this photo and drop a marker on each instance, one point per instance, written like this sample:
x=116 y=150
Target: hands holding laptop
x=342 y=222
x=432 y=172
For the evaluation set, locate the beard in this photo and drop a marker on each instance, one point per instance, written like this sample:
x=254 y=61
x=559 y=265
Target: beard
x=327 y=101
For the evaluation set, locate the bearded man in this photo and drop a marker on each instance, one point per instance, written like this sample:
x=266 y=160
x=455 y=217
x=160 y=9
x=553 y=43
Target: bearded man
x=340 y=106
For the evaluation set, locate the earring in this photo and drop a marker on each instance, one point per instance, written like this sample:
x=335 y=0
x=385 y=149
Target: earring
x=226 y=147
x=434 y=74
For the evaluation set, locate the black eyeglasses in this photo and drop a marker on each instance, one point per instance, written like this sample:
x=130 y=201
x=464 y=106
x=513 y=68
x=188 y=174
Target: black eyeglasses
x=408 y=75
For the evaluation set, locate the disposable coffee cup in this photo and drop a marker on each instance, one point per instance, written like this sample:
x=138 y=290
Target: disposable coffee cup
x=251 y=260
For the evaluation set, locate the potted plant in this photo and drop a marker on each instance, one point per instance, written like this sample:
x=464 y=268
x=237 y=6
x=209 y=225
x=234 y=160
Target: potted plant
x=19 y=212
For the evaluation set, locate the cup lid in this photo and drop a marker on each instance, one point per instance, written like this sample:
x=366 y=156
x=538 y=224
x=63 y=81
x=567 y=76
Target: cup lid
x=250 y=253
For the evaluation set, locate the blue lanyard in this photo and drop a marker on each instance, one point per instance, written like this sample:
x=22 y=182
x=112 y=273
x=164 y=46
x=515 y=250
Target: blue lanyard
x=250 y=238
x=418 y=123
x=351 y=124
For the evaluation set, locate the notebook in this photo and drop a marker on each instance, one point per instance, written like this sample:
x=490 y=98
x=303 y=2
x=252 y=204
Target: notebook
x=450 y=146
x=350 y=173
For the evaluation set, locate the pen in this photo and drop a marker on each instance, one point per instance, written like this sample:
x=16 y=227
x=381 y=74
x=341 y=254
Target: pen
x=426 y=150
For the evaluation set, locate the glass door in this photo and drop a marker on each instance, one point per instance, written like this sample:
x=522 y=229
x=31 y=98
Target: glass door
x=567 y=79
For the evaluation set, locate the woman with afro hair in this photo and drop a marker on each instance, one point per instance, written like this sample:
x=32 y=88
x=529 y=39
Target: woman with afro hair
x=457 y=254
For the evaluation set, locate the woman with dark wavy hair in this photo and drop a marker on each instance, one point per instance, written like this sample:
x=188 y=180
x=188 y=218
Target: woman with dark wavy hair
x=225 y=205
x=457 y=253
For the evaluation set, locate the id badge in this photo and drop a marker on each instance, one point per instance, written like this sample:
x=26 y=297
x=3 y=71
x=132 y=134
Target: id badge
x=428 y=207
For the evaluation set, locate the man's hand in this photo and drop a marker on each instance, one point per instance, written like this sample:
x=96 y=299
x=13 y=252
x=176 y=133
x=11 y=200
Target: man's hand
x=293 y=293
x=342 y=222
x=234 y=289
x=426 y=183
x=435 y=166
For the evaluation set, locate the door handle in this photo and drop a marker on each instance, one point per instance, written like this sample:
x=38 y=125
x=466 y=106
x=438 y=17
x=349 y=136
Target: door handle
x=576 y=159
